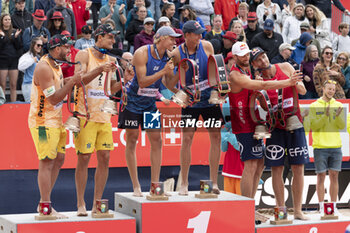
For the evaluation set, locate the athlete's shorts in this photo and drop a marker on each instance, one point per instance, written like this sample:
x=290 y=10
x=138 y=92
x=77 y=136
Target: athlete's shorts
x=330 y=158
x=249 y=147
x=213 y=114
x=283 y=142
x=130 y=120
x=49 y=141
x=95 y=136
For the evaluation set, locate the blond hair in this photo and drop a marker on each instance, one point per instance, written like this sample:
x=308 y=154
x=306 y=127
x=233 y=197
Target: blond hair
x=318 y=15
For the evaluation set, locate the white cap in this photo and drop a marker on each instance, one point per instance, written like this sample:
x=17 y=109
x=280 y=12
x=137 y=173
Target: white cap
x=240 y=49
x=148 y=20
x=285 y=46
x=163 y=19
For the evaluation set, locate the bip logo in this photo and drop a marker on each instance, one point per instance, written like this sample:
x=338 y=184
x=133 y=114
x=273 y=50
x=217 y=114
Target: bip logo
x=151 y=120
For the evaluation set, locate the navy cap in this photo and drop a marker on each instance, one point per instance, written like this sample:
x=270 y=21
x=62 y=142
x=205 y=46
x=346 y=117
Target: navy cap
x=105 y=29
x=56 y=41
x=268 y=24
x=192 y=26
x=255 y=52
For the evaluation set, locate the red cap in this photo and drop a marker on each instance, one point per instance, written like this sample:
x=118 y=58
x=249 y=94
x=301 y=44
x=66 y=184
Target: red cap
x=252 y=16
x=229 y=56
x=57 y=15
x=230 y=36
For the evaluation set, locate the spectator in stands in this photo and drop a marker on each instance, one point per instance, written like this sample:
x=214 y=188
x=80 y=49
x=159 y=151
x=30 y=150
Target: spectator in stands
x=228 y=9
x=319 y=27
x=203 y=9
x=164 y=21
x=237 y=28
x=28 y=4
x=68 y=69
x=56 y=23
x=45 y=5
x=216 y=32
x=146 y=35
x=300 y=47
x=36 y=30
x=269 y=40
x=133 y=12
x=343 y=61
x=288 y=10
x=253 y=28
x=325 y=70
x=81 y=12
x=217 y=45
x=68 y=15
x=168 y=10
x=2 y=96
x=116 y=13
x=341 y=43
x=243 y=10
x=10 y=43
x=228 y=41
x=85 y=41
x=271 y=11
x=187 y=14
x=253 y=5
x=291 y=26
x=307 y=67
x=95 y=9
x=135 y=27
x=21 y=18
x=285 y=50
x=305 y=27
x=155 y=9
x=27 y=63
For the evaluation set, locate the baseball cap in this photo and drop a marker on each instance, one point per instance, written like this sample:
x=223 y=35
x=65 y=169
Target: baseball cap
x=104 y=29
x=192 y=26
x=184 y=7
x=39 y=14
x=240 y=49
x=255 y=52
x=163 y=19
x=284 y=46
x=148 y=20
x=17 y=1
x=228 y=57
x=230 y=36
x=69 y=37
x=252 y=16
x=268 y=24
x=56 y=41
x=57 y=15
x=86 y=29
x=305 y=25
x=166 y=31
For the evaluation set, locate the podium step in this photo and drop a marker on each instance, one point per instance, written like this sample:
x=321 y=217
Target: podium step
x=225 y=214
x=314 y=225
x=25 y=223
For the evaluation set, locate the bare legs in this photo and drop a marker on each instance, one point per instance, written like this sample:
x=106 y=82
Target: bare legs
x=13 y=76
x=251 y=176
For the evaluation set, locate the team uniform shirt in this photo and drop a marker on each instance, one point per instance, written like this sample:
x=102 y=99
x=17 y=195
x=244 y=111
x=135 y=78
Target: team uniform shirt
x=233 y=166
x=201 y=58
x=95 y=91
x=144 y=99
x=42 y=112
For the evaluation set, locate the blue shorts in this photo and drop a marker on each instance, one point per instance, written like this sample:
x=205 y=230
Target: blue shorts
x=249 y=147
x=283 y=142
x=328 y=158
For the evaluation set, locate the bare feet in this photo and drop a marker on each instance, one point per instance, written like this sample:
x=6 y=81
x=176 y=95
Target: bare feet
x=300 y=216
x=260 y=217
x=183 y=191
x=216 y=189
x=82 y=211
x=137 y=192
x=58 y=215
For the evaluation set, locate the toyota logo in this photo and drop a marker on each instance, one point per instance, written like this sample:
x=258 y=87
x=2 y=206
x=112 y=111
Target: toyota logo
x=275 y=152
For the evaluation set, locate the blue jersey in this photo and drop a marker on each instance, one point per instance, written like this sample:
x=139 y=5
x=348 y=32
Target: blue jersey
x=202 y=60
x=144 y=99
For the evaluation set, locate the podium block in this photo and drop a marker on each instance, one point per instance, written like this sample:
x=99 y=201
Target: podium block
x=314 y=225
x=186 y=214
x=25 y=223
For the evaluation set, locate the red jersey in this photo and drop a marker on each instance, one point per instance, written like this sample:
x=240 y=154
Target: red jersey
x=239 y=108
x=287 y=97
x=67 y=69
x=233 y=165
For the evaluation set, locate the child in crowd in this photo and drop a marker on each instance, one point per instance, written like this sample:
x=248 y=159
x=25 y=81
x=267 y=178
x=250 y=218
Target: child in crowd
x=341 y=42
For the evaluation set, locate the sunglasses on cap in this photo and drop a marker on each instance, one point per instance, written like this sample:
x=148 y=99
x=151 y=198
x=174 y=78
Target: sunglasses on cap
x=329 y=81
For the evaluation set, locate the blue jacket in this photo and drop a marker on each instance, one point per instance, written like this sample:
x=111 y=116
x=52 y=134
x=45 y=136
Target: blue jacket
x=31 y=32
x=46 y=5
x=299 y=52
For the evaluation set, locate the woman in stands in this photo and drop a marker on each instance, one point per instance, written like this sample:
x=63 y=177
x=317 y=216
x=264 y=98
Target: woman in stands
x=27 y=63
x=237 y=27
x=307 y=67
x=10 y=43
x=168 y=10
x=56 y=24
x=343 y=61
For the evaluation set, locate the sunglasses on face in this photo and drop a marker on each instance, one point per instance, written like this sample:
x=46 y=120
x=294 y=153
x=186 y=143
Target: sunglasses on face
x=251 y=21
x=57 y=20
x=88 y=32
x=149 y=24
x=341 y=58
x=39 y=45
x=329 y=53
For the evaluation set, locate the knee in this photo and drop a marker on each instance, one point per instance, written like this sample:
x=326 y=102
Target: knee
x=60 y=160
x=321 y=177
x=103 y=157
x=83 y=160
x=333 y=175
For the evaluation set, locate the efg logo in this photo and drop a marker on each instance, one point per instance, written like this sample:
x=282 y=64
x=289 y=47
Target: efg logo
x=151 y=120
x=274 y=152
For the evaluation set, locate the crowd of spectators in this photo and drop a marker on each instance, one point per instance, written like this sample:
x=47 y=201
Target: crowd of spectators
x=294 y=31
